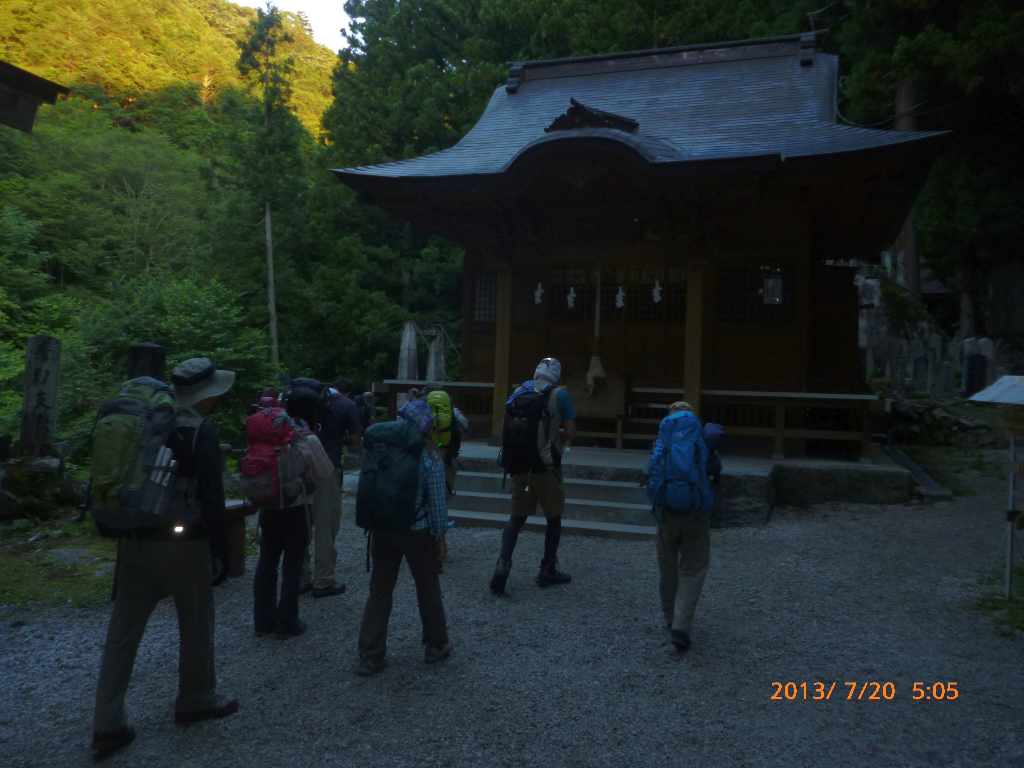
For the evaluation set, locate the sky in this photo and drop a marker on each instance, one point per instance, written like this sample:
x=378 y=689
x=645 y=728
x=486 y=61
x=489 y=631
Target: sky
x=326 y=16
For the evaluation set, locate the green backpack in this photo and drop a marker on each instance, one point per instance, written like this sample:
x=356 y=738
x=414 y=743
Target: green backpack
x=441 y=404
x=390 y=476
x=134 y=474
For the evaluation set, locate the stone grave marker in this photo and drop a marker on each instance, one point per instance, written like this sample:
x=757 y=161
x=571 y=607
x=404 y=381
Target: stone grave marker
x=968 y=348
x=944 y=383
x=919 y=375
x=953 y=351
x=898 y=374
x=988 y=349
x=39 y=398
x=915 y=349
x=147 y=359
x=934 y=342
x=975 y=374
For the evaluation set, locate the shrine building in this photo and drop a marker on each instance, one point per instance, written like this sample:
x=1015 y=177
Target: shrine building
x=674 y=223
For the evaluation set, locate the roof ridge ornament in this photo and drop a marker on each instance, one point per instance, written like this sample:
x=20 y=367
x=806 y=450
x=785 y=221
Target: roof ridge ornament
x=807 y=49
x=581 y=116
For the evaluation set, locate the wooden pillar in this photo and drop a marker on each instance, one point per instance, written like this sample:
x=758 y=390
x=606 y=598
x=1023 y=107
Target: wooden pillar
x=692 y=380
x=502 y=339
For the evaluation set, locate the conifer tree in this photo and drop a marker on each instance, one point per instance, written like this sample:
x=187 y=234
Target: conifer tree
x=268 y=73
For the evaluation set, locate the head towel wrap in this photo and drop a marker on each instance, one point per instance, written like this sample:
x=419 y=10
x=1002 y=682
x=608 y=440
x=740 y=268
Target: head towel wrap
x=548 y=369
x=419 y=413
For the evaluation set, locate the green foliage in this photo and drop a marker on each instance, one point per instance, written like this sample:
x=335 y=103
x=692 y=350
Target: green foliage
x=964 y=62
x=188 y=319
x=149 y=45
x=30 y=578
x=903 y=311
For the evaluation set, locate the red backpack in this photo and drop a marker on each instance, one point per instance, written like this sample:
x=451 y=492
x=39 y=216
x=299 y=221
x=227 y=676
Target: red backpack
x=271 y=470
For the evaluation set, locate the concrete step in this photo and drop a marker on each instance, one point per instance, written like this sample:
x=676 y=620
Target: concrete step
x=600 y=490
x=596 y=529
x=575 y=509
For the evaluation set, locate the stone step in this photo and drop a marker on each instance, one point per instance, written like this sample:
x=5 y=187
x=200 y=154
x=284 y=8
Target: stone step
x=601 y=490
x=569 y=471
x=575 y=509
x=570 y=526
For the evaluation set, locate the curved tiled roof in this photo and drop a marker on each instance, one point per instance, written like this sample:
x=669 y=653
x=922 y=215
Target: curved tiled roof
x=728 y=101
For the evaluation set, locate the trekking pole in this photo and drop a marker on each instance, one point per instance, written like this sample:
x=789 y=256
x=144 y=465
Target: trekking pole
x=1011 y=519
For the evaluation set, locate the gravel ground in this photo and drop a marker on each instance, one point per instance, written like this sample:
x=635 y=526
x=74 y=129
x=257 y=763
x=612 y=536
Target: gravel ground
x=583 y=675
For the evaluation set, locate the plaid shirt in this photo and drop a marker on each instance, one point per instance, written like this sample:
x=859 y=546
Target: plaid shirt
x=433 y=494
x=313 y=456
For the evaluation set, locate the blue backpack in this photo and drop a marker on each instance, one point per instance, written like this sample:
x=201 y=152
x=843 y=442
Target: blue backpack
x=679 y=480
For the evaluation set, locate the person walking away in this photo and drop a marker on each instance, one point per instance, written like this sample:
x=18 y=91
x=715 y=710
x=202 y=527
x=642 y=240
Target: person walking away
x=269 y=398
x=535 y=416
x=682 y=500
x=366 y=404
x=449 y=424
x=284 y=459
x=184 y=562
x=402 y=504
x=339 y=426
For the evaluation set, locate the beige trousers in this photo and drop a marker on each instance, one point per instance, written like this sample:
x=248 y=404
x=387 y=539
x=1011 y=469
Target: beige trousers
x=147 y=572
x=684 y=551
x=326 y=519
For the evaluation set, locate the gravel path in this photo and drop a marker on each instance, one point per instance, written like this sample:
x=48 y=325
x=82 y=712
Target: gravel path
x=583 y=675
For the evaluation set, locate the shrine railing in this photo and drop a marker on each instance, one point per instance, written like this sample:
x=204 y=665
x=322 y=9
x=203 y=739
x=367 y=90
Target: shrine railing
x=780 y=417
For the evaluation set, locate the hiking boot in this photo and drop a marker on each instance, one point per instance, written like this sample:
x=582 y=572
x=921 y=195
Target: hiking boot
x=337 y=588
x=106 y=743
x=434 y=655
x=306 y=588
x=221 y=707
x=680 y=640
x=286 y=632
x=549 y=575
x=368 y=666
x=501 y=571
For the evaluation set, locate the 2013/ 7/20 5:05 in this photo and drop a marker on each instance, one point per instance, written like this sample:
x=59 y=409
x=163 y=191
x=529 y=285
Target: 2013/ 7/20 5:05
x=880 y=691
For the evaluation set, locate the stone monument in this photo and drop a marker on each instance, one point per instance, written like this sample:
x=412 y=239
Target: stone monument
x=39 y=398
x=975 y=373
x=919 y=379
x=898 y=374
x=944 y=383
x=147 y=359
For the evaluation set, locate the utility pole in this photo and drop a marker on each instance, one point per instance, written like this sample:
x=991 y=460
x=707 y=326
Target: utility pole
x=275 y=356
x=906 y=120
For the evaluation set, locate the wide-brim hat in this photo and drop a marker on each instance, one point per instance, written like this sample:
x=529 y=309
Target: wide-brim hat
x=197 y=379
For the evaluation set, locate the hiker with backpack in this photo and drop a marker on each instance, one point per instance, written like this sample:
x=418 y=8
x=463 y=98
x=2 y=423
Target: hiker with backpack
x=535 y=416
x=283 y=461
x=339 y=425
x=449 y=424
x=402 y=504
x=682 y=500
x=158 y=486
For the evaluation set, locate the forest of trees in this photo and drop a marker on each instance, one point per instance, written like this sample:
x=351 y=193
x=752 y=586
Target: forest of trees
x=135 y=211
